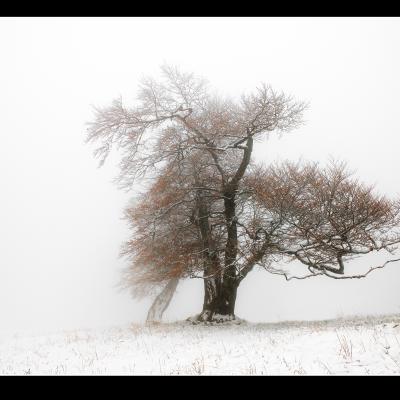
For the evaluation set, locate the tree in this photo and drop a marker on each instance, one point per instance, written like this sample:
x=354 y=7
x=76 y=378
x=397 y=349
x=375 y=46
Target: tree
x=208 y=211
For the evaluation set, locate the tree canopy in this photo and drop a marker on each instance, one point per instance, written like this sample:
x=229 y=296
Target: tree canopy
x=210 y=211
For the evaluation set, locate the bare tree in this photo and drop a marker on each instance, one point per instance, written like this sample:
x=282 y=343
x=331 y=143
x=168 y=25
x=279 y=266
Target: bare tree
x=208 y=212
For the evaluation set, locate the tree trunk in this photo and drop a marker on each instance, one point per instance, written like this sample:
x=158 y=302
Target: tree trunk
x=162 y=301
x=219 y=302
x=220 y=293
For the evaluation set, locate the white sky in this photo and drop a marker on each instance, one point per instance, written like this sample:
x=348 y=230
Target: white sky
x=60 y=216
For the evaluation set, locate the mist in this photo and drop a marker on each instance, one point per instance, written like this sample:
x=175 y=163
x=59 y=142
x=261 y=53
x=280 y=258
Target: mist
x=61 y=227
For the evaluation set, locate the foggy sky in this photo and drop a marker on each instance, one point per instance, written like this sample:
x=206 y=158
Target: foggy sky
x=60 y=216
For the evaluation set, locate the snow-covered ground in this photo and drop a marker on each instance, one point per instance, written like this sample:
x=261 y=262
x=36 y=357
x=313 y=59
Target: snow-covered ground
x=352 y=346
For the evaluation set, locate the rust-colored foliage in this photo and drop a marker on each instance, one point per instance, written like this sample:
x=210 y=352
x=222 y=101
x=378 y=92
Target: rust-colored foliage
x=323 y=216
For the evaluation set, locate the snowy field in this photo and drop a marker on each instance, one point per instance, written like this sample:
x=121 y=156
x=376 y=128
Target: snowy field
x=357 y=346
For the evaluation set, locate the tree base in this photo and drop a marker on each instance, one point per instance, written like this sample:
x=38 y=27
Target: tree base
x=207 y=318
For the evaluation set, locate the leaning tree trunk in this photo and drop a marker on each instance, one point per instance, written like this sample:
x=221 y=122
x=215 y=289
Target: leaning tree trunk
x=162 y=301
